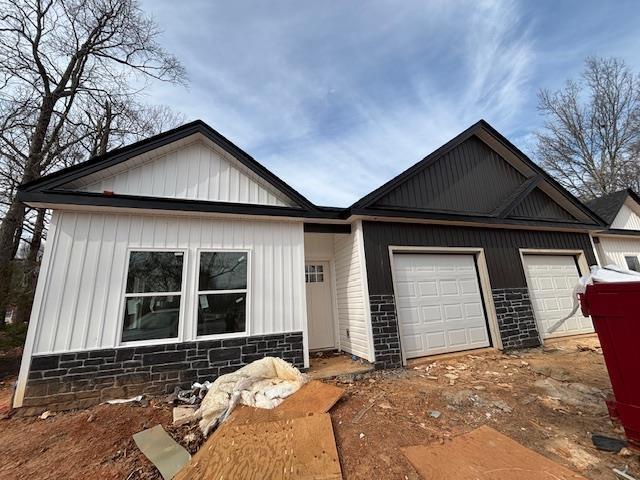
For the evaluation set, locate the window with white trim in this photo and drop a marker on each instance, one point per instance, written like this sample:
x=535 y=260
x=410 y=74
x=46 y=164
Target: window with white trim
x=313 y=273
x=633 y=263
x=153 y=295
x=222 y=292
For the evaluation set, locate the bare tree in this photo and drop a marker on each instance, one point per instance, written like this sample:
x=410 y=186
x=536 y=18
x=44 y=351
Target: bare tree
x=54 y=56
x=591 y=137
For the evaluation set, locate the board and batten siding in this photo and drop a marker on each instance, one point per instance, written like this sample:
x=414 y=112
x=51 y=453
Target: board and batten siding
x=195 y=171
x=79 y=300
x=353 y=309
x=501 y=248
x=626 y=219
x=612 y=250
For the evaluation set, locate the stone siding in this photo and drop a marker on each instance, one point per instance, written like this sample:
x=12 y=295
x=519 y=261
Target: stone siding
x=70 y=380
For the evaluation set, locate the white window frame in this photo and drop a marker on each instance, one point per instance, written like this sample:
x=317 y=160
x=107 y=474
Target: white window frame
x=197 y=293
x=183 y=294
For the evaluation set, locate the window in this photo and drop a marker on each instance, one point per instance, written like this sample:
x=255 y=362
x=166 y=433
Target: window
x=633 y=263
x=152 y=296
x=222 y=293
x=313 y=274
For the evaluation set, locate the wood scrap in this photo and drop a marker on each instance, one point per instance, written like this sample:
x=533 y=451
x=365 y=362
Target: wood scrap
x=300 y=448
x=484 y=454
x=313 y=397
x=366 y=408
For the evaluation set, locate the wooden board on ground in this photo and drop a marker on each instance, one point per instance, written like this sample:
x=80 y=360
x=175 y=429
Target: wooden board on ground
x=296 y=448
x=313 y=397
x=484 y=454
x=243 y=415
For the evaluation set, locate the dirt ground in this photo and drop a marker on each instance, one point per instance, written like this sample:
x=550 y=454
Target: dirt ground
x=549 y=400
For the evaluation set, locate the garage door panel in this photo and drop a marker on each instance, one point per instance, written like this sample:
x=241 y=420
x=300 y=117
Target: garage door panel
x=410 y=314
x=551 y=280
x=432 y=313
x=406 y=290
x=451 y=317
x=428 y=289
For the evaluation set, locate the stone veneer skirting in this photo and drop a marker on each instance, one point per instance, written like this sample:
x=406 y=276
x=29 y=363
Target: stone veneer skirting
x=384 y=326
x=70 y=380
x=516 y=320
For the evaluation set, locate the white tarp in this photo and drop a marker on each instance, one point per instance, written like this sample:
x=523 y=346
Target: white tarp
x=264 y=383
x=608 y=274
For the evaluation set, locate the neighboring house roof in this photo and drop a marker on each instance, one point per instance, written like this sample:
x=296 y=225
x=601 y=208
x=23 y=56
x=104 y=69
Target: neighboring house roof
x=479 y=176
x=609 y=205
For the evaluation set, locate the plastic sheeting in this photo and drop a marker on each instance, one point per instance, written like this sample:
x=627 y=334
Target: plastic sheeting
x=264 y=383
x=607 y=274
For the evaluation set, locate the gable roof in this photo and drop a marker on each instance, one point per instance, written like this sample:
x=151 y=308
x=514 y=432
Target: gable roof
x=52 y=188
x=531 y=191
x=609 y=205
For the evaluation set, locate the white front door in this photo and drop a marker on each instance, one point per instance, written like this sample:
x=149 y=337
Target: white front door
x=439 y=303
x=551 y=280
x=319 y=306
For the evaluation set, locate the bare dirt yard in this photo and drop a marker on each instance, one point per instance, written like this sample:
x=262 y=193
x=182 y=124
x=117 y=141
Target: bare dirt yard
x=549 y=400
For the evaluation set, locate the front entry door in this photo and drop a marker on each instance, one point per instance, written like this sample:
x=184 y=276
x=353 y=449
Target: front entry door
x=319 y=306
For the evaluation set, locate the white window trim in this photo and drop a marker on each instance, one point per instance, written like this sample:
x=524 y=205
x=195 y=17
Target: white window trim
x=124 y=295
x=197 y=293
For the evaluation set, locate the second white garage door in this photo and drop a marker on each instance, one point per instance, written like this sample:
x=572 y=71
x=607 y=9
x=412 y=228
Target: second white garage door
x=551 y=280
x=439 y=304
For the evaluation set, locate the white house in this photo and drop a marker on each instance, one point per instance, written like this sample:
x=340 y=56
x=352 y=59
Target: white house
x=180 y=258
x=620 y=243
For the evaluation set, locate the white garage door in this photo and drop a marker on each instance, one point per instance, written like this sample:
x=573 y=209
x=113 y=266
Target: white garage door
x=439 y=304
x=551 y=280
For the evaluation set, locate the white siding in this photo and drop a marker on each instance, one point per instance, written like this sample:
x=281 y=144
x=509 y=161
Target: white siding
x=80 y=292
x=612 y=250
x=195 y=171
x=626 y=219
x=352 y=296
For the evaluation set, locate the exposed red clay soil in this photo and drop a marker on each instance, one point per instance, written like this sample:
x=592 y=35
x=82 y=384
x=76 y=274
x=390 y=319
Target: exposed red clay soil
x=549 y=400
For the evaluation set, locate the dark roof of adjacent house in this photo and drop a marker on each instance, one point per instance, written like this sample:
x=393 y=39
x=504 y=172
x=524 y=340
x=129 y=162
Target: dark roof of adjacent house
x=521 y=197
x=609 y=205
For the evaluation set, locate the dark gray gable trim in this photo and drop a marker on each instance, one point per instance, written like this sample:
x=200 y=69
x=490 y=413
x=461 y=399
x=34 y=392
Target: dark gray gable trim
x=482 y=126
x=66 y=197
x=341 y=228
x=517 y=197
x=57 y=179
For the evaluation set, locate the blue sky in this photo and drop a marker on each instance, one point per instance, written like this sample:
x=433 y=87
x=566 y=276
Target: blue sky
x=337 y=97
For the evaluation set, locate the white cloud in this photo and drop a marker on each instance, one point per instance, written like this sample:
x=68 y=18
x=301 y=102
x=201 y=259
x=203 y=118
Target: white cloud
x=336 y=100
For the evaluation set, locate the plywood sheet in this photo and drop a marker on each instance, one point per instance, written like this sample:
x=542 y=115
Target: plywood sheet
x=296 y=448
x=484 y=454
x=313 y=397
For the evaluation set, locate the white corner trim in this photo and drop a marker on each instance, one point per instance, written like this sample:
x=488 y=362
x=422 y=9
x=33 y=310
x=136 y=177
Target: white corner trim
x=41 y=287
x=365 y=289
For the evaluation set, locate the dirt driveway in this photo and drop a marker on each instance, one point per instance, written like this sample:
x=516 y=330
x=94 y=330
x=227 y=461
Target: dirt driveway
x=549 y=400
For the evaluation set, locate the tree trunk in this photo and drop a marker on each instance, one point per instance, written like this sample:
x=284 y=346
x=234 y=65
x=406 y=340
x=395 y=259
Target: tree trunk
x=11 y=224
x=31 y=270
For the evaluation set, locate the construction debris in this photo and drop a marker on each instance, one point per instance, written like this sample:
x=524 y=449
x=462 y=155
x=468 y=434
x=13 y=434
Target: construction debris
x=119 y=401
x=264 y=383
x=293 y=440
x=162 y=450
x=484 y=454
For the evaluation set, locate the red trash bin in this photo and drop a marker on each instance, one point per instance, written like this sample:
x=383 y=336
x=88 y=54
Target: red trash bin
x=615 y=311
